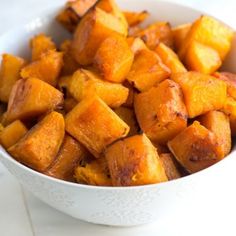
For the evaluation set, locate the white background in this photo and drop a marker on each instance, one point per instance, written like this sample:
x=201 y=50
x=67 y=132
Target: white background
x=21 y=214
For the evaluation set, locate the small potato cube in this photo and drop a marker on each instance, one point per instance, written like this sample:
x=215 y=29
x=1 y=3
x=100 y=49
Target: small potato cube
x=40 y=44
x=147 y=70
x=39 y=147
x=47 y=68
x=31 y=98
x=196 y=148
x=9 y=74
x=95 y=125
x=218 y=123
x=96 y=26
x=161 y=112
x=202 y=58
x=84 y=83
x=12 y=133
x=136 y=45
x=114 y=59
x=212 y=92
x=170 y=59
x=68 y=157
x=134 y=161
x=135 y=18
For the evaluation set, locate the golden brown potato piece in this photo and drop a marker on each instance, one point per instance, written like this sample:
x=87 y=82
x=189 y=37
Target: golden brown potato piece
x=12 y=133
x=130 y=99
x=170 y=59
x=212 y=92
x=134 y=161
x=209 y=32
x=202 y=58
x=135 y=18
x=40 y=44
x=147 y=70
x=39 y=147
x=87 y=83
x=95 y=125
x=161 y=112
x=196 y=148
x=218 y=123
x=69 y=104
x=68 y=157
x=170 y=165
x=136 y=45
x=128 y=116
x=94 y=173
x=47 y=68
x=9 y=74
x=96 y=26
x=70 y=16
x=155 y=34
x=32 y=97
x=114 y=59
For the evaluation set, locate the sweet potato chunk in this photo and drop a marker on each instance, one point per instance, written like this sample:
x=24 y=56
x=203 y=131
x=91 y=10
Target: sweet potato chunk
x=32 y=97
x=47 y=68
x=39 y=147
x=147 y=70
x=9 y=74
x=136 y=45
x=135 y=18
x=114 y=59
x=170 y=59
x=161 y=112
x=96 y=26
x=70 y=154
x=202 y=58
x=134 y=161
x=196 y=85
x=218 y=123
x=12 y=133
x=84 y=83
x=196 y=148
x=95 y=125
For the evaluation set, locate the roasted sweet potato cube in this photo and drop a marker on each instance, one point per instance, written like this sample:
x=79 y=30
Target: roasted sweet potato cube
x=218 y=123
x=210 y=32
x=95 y=125
x=32 y=97
x=134 y=161
x=136 y=44
x=40 y=44
x=196 y=148
x=70 y=154
x=47 y=68
x=9 y=74
x=130 y=99
x=135 y=18
x=12 y=133
x=84 y=83
x=161 y=112
x=170 y=59
x=96 y=26
x=39 y=147
x=147 y=70
x=202 y=58
x=114 y=59
x=195 y=85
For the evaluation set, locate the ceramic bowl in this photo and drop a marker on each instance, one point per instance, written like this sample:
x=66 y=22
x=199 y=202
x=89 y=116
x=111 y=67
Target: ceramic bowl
x=121 y=206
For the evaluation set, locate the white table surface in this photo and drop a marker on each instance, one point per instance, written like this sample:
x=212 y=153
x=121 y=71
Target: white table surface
x=21 y=214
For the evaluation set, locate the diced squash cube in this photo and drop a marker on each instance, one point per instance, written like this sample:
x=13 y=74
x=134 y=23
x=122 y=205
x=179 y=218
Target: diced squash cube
x=136 y=45
x=12 y=133
x=9 y=74
x=95 y=125
x=161 y=112
x=32 y=97
x=114 y=59
x=96 y=26
x=147 y=70
x=39 y=147
x=135 y=18
x=47 y=68
x=134 y=161
x=196 y=148
x=212 y=92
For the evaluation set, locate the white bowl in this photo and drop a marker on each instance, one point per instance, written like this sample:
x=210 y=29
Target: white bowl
x=120 y=206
